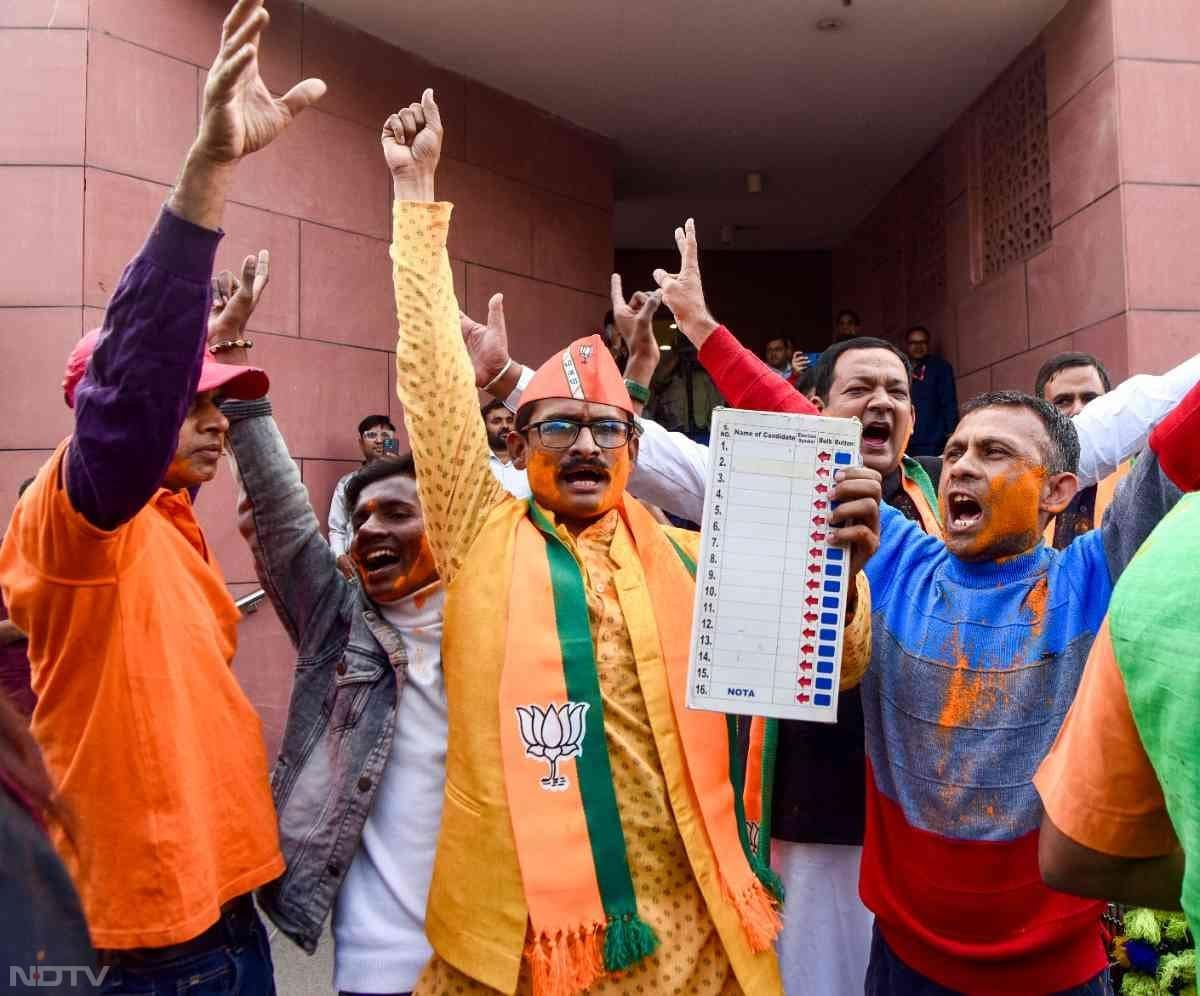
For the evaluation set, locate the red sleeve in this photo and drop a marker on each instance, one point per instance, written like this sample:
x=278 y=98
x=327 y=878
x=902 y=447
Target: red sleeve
x=1175 y=440
x=745 y=381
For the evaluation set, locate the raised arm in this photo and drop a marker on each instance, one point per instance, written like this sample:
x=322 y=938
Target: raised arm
x=142 y=377
x=294 y=564
x=634 y=320
x=1116 y=425
x=434 y=377
x=1170 y=466
x=740 y=377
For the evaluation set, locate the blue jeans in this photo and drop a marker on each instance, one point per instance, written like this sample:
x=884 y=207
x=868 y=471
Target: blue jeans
x=887 y=975
x=238 y=964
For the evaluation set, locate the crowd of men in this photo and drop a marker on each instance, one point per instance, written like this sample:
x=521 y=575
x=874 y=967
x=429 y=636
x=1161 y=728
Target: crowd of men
x=489 y=779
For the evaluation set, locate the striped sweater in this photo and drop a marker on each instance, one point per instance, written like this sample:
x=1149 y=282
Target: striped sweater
x=973 y=669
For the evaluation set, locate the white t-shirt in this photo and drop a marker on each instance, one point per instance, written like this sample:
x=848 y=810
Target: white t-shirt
x=514 y=481
x=379 y=916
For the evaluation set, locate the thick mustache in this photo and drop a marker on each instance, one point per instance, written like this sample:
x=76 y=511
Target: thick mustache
x=570 y=468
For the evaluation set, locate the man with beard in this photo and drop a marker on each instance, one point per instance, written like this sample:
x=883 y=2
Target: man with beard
x=978 y=646
x=375 y=440
x=589 y=825
x=499 y=421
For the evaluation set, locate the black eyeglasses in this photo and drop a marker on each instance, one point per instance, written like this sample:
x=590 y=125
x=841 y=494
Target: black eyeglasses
x=560 y=433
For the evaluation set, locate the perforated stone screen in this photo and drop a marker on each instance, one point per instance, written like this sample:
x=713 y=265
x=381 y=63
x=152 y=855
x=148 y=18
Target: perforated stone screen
x=1011 y=170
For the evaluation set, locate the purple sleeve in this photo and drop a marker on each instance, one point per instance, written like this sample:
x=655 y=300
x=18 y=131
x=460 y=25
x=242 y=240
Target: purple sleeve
x=143 y=375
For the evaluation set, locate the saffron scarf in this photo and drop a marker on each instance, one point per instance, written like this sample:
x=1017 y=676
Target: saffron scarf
x=566 y=824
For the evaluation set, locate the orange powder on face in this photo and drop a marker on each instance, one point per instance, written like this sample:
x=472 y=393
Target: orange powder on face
x=420 y=572
x=1012 y=507
x=543 y=481
x=542 y=470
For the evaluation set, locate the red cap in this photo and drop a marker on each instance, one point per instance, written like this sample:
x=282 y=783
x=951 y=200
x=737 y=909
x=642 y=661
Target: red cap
x=585 y=371
x=243 y=383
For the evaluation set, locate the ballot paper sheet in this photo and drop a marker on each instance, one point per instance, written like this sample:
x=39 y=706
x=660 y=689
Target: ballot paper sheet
x=770 y=589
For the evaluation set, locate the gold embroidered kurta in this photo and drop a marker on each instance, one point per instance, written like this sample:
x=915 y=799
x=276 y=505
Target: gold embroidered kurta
x=474 y=931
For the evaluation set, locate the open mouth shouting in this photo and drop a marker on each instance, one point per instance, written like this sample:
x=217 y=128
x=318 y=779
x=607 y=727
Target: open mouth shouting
x=380 y=560
x=963 y=511
x=584 y=480
x=876 y=435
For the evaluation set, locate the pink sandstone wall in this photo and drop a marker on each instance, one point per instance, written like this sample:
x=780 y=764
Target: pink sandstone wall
x=1118 y=278
x=100 y=104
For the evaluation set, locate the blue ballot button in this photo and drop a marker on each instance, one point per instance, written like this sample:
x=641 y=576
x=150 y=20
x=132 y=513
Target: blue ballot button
x=822 y=700
x=842 y=458
x=824 y=667
x=833 y=586
x=828 y=618
x=825 y=684
x=828 y=634
x=833 y=553
x=829 y=603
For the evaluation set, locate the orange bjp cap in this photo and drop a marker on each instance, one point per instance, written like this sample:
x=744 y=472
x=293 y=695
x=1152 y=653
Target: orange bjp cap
x=584 y=371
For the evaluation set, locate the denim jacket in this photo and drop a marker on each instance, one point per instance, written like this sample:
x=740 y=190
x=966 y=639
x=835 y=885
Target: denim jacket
x=350 y=669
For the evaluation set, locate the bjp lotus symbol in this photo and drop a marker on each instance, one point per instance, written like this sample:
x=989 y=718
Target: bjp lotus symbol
x=553 y=734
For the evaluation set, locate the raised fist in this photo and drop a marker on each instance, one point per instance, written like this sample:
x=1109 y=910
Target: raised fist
x=412 y=146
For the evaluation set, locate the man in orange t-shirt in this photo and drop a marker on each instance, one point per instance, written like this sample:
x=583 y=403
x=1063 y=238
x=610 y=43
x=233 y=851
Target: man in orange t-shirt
x=154 y=750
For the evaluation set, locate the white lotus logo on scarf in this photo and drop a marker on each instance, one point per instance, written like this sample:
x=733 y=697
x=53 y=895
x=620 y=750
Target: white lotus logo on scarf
x=585 y=353
x=553 y=734
x=752 y=831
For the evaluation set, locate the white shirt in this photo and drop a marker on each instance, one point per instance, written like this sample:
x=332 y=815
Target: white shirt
x=379 y=916
x=515 y=482
x=340 y=533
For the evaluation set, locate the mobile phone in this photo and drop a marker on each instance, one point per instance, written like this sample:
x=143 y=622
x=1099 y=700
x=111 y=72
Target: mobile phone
x=391 y=447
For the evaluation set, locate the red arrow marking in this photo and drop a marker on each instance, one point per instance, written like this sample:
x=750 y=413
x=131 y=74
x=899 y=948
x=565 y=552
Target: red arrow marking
x=823 y=456
x=820 y=503
x=813 y=584
x=806 y=649
x=810 y=616
x=822 y=472
x=806 y=665
x=810 y=600
x=821 y=488
x=810 y=633
x=816 y=551
x=801 y=699
x=814 y=568
x=805 y=682
x=819 y=520
x=817 y=537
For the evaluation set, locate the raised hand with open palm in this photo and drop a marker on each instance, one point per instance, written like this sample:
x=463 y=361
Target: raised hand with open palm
x=240 y=115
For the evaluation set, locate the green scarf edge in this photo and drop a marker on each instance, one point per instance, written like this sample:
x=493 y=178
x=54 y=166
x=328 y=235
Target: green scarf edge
x=627 y=937
x=913 y=470
x=759 y=861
